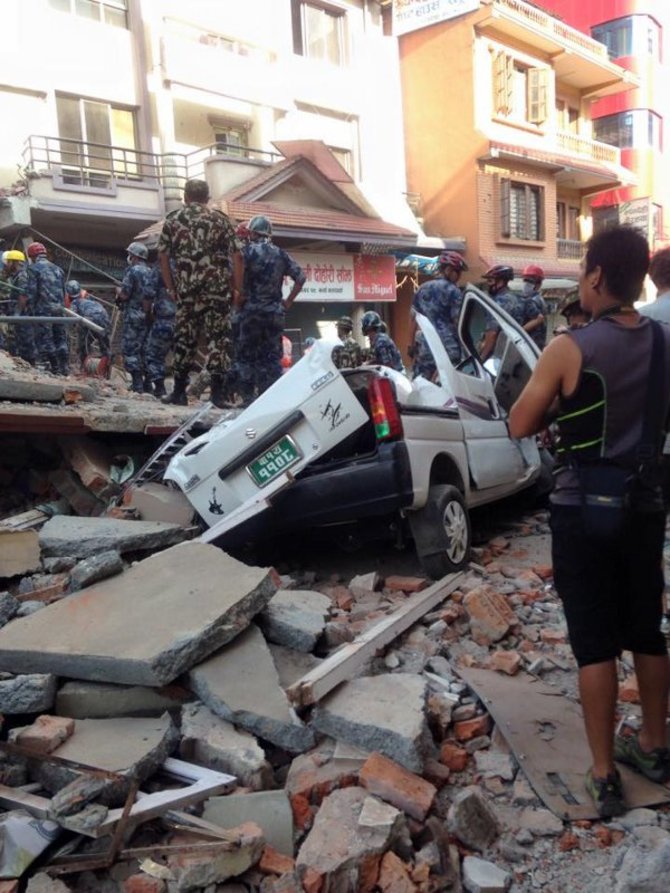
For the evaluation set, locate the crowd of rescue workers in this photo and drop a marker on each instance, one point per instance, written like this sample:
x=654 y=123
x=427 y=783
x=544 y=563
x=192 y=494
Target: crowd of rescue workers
x=224 y=285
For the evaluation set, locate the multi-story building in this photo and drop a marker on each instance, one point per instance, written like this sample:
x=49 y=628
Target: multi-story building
x=110 y=105
x=633 y=33
x=497 y=98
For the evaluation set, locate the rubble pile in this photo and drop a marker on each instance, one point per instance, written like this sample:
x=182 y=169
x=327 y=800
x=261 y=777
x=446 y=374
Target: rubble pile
x=284 y=732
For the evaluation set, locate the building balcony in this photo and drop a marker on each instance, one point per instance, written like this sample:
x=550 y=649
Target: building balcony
x=574 y=144
x=578 y=61
x=569 y=249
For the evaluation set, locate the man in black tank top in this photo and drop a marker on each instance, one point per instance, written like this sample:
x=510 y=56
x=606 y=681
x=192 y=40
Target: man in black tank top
x=594 y=381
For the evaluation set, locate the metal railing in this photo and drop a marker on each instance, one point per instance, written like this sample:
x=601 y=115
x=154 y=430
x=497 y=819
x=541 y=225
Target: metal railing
x=569 y=249
x=97 y=165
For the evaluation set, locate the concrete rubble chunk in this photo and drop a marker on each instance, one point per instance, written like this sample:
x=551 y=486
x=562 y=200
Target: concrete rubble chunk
x=102 y=700
x=194 y=871
x=82 y=537
x=291 y=665
x=157 y=502
x=211 y=741
x=295 y=618
x=19 y=552
x=145 y=627
x=379 y=713
x=9 y=607
x=97 y=567
x=480 y=876
x=240 y=684
x=42 y=883
x=472 y=820
x=270 y=810
x=339 y=850
x=363 y=584
x=27 y=693
x=134 y=748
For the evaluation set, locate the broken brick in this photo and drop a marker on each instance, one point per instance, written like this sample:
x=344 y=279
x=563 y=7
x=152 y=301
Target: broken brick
x=453 y=756
x=92 y=464
x=273 y=862
x=394 y=876
x=312 y=881
x=143 y=883
x=46 y=594
x=552 y=636
x=9 y=886
x=46 y=733
x=397 y=785
x=491 y=617
x=506 y=662
x=397 y=583
x=303 y=813
x=472 y=728
x=568 y=841
x=544 y=571
x=629 y=691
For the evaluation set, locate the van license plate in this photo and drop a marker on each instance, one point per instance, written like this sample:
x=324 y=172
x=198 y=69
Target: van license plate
x=275 y=461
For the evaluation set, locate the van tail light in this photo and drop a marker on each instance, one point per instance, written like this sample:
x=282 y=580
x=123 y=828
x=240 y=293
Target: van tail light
x=384 y=409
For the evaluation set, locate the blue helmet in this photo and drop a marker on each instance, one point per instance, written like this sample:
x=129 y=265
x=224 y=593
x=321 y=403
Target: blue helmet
x=371 y=322
x=137 y=249
x=72 y=287
x=260 y=225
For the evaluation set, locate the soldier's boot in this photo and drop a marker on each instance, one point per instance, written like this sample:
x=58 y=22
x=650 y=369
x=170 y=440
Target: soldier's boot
x=64 y=365
x=178 y=394
x=54 y=365
x=146 y=385
x=216 y=394
x=159 y=388
x=137 y=385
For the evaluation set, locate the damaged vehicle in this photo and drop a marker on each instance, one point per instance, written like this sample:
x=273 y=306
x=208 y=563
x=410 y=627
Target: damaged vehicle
x=341 y=449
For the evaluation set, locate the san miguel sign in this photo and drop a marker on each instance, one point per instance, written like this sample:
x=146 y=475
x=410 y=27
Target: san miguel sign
x=410 y=15
x=346 y=277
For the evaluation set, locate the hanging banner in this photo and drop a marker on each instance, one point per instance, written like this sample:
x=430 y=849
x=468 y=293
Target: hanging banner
x=345 y=277
x=410 y=15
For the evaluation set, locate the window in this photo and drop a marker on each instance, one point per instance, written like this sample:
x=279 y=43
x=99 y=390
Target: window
x=630 y=36
x=344 y=157
x=567 y=220
x=110 y=12
x=318 y=32
x=567 y=117
x=522 y=211
x=97 y=141
x=605 y=217
x=639 y=128
x=230 y=140
x=519 y=91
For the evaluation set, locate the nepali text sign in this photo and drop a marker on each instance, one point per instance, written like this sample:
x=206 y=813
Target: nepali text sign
x=636 y=213
x=345 y=277
x=410 y=15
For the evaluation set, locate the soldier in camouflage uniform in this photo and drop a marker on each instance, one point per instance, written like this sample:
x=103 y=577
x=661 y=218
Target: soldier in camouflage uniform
x=383 y=351
x=440 y=301
x=16 y=276
x=85 y=305
x=201 y=242
x=161 y=334
x=498 y=278
x=350 y=354
x=46 y=289
x=135 y=298
x=259 y=348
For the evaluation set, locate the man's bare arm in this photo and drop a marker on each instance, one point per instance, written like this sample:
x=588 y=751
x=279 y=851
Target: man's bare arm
x=166 y=272
x=556 y=372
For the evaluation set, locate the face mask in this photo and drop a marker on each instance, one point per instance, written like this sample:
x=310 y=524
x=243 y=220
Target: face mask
x=528 y=289
x=492 y=289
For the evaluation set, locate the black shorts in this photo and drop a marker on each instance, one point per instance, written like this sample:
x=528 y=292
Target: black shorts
x=612 y=592
x=666 y=482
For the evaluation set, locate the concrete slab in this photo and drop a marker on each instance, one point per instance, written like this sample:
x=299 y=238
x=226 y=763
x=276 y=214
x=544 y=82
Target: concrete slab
x=291 y=665
x=82 y=537
x=241 y=685
x=29 y=693
x=19 y=552
x=296 y=618
x=145 y=627
x=103 y=700
x=270 y=810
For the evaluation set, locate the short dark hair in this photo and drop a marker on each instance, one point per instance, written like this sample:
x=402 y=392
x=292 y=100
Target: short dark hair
x=659 y=268
x=196 y=191
x=622 y=253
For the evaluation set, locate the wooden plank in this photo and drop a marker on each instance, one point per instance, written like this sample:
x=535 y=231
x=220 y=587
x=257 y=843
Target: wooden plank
x=24 y=520
x=343 y=664
x=15 y=798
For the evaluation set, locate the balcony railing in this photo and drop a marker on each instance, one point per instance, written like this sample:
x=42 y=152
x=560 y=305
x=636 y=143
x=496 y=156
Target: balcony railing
x=97 y=165
x=569 y=249
x=579 y=145
x=553 y=27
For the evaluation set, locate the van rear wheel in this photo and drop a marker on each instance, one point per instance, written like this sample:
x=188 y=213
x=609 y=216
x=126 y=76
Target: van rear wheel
x=442 y=531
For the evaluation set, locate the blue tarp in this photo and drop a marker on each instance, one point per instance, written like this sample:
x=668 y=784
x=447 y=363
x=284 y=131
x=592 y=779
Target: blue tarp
x=416 y=263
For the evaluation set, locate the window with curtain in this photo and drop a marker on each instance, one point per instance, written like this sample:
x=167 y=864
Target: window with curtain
x=319 y=31
x=522 y=211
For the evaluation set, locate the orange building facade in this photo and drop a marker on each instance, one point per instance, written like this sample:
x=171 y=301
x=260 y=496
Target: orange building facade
x=498 y=133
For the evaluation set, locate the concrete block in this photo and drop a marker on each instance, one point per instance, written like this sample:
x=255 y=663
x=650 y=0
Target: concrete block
x=81 y=537
x=480 y=876
x=295 y=618
x=157 y=502
x=193 y=871
x=290 y=664
x=19 y=552
x=145 y=627
x=270 y=810
x=27 y=693
x=97 y=567
x=102 y=700
x=241 y=685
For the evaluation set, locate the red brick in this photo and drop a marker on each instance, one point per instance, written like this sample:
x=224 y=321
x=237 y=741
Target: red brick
x=544 y=571
x=506 y=662
x=344 y=599
x=273 y=862
x=46 y=733
x=452 y=613
x=303 y=814
x=454 y=757
x=312 y=881
x=143 y=883
x=405 y=584
x=552 y=636
x=491 y=616
x=47 y=594
x=394 y=876
x=91 y=462
x=569 y=841
x=368 y=873
x=9 y=886
x=629 y=691
x=397 y=785
x=468 y=729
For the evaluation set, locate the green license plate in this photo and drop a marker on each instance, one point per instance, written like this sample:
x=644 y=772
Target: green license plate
x=273 y=462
